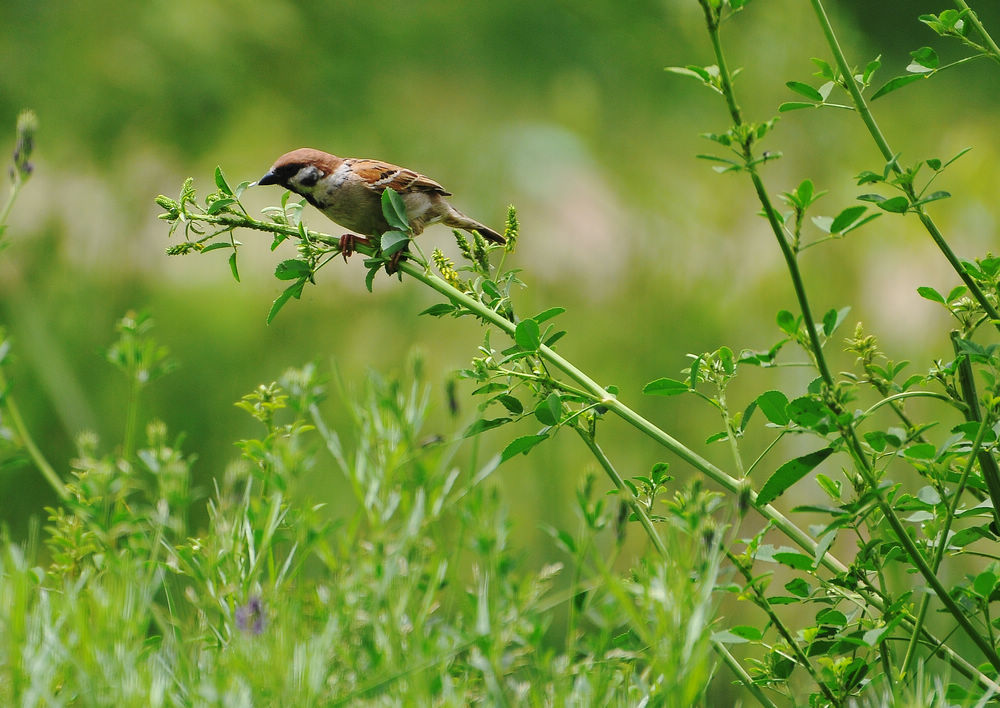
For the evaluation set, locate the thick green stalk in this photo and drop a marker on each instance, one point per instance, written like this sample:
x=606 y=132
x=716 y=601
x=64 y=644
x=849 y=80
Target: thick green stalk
x=987 y=463
x=973 y=19
x=942 y=544
x=883 y=145
x=742 y=675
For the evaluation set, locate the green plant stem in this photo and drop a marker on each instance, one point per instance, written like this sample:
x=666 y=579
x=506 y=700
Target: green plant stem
x=973 y=19
x=15 y=188
x=745 y=678
x=34 y=452
x=904 y=670
x=624 y=491
x=131 y=419
x=762 y=603
x=987 y=463
x=770 y=513
x=647 y=524
x=883 y=145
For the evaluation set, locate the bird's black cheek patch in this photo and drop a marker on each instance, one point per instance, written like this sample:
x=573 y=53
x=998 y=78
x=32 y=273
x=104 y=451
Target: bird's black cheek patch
x=309 y=177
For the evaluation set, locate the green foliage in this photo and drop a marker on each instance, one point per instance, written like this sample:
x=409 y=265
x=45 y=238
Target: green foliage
x=416 y=592
x=415 y=595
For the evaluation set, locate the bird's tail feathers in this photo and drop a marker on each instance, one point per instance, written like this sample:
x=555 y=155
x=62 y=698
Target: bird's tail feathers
x=456 y=219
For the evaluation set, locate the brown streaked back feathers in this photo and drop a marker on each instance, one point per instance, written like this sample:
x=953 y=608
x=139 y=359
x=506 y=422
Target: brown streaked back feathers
x=378 y=175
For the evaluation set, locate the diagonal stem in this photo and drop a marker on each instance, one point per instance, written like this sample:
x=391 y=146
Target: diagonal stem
x=883 y=145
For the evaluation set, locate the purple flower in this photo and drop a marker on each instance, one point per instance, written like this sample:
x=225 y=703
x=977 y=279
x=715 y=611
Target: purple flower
x=250 y=617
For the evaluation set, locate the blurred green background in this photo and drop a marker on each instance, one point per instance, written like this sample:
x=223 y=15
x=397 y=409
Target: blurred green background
x=561 y=108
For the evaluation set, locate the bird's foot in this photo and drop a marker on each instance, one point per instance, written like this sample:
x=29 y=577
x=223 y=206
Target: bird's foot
x=349 y=244
x=392 y=267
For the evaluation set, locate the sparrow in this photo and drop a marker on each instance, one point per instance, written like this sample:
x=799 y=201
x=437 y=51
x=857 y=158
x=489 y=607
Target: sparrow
x=349 y=190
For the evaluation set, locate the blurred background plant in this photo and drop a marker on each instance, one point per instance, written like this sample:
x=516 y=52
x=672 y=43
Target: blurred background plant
x=560 y=108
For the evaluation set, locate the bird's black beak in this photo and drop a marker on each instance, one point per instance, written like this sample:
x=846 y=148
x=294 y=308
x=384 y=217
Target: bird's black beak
x=269 y=178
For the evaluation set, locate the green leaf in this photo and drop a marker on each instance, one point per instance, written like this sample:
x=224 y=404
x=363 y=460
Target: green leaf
x=847 y=217
x=790 y=473
x=549 y=411
x=934 y=196
x=726 y=359
x=772 y=404
x=293 y=290
x=795 y=106
x=694 y=72
x=746 y=632
x=929 y=293
x=833 y=319
x=555 y=338
x=218 y=205
x=394 y=210
x=548 y=314
x=895 y=84
x=511 y=404
x=490 y=388
x=216 y=246
x=232 y=266
x=440 y=310
x=787 y=322
x=877 y=439
x=970 y=430
x=956 y=292
x=920 y=451
x=869 y=177
x=825 y=70
x=806 y=411
x=393 y=241
x=831 y=617
x=220 y=182
x=798 y=587
x=830 y=486
x=794 y=560
x=747 y=414
x=484 y=424
x=527 y=335
x=804 y=90
x=240 y=188
x=984 y=583
x=521 y=445
x=861 y=222
x=292 y=269
x=727 y=637
x=665 y=387
x=372 y=272
x=925 y=59
x=872 y=67
x=896 y=205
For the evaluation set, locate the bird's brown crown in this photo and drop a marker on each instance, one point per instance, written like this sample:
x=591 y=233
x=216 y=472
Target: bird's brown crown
x=307 y=156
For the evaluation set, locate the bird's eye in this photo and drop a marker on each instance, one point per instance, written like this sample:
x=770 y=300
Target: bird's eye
x=308 y=176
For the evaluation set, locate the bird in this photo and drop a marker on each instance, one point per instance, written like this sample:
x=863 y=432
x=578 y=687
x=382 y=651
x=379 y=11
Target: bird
x=348 y=191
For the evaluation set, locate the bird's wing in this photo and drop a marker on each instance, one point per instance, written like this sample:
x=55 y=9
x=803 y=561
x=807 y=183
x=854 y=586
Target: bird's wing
x=378 y=175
